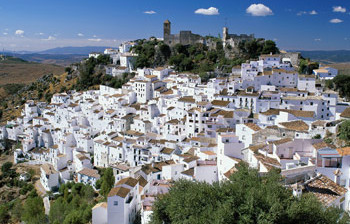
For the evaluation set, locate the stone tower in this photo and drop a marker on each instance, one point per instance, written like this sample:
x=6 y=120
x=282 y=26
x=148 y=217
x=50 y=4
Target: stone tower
x=224 y=33
x=166 y=28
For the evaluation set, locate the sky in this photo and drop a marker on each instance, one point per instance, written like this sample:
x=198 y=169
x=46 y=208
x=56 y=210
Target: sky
x=295 y=25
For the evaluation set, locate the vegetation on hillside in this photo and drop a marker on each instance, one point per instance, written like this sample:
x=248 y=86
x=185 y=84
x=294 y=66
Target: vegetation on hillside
x=246 y=198
x=306 y=66
x=199 y=58
x=73 y=205
x=340 y=83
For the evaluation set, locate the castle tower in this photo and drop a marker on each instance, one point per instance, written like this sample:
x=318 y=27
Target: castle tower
x=224 y=34
x=166 y=28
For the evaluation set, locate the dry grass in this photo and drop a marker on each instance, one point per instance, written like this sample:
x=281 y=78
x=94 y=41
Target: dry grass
x=25 y=73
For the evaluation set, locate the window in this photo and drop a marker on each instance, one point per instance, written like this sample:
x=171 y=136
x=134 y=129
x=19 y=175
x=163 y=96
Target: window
x=115 y=203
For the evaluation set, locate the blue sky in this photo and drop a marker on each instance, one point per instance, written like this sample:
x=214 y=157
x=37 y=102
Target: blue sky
x=297 y=24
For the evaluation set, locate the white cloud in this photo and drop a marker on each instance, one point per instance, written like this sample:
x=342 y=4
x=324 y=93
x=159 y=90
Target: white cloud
x=339 y=9
x=208 y=12
x=94 y=36
x=301 y=13
x=313 y=12
x=80 y=34
x=335 y=21
x=5 y=33
x=95 y=39
x=317 y=39
x=259 y=10
x=150 y=12
x=19 y=33
x=50 y=38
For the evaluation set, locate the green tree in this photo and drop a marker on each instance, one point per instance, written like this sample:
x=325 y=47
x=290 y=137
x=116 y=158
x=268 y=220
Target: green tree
x=342 y=84
x=33 y=211
x=344 y=130
x=107 y=181
x=57 y=210
x=247 y=198
x=270 y=47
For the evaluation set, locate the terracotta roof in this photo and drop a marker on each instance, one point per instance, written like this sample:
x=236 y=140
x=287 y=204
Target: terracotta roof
x=325 y=189
x=230 y=172
x=255 y=148
x=89 y=172
x=102 y=204
x=220 y=103
x=167 y=151
x=82 y=157
x=253 y=126
x=48 y=168
x=296 y=113
x=300 y=113
x=187 y=99
x=282 y=141
x=319 y=123
x=189 y=172
x=322 y=144
x=142 y=181
x=268 y=162
x=190 y=159
x=119 y=191
x=344 y=151
x=346 y=113
x=210 y=153
x=295 y=125
x=127 y=181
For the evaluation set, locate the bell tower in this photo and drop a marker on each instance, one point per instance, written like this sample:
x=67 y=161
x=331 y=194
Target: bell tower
x=166 y=28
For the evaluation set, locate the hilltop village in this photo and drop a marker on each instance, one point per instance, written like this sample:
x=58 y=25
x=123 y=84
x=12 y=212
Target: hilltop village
x=163 y=126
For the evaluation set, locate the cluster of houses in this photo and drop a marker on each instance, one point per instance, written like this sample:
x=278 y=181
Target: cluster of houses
x=163 y=126
x=123 y=59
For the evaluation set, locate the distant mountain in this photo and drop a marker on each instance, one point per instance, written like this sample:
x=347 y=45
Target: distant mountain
x=339 y=56
x=73 y=50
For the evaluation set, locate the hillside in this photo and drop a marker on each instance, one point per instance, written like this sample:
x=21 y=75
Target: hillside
x=89 y=75
x=327 y=57
x=74 y=50
x=15 y=70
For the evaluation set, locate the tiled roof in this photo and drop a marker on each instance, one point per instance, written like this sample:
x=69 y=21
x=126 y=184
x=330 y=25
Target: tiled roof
x=142 y=181
x=102 y=204
x=295 y=125
x=253 y=126
x=221 y=103
x=119 y=191
x=167 y=151
x=344 y=151
x=189 y=172
x=187 y=99
x=127 y=181
x=89 y=172
x=325 y=189
x=296 y=113
x=346 y=113
x=322 y=144
x=268 y=162
x=48 y=168
x=282 y=141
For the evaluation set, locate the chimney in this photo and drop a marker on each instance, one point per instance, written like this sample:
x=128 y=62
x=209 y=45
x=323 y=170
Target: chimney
x=337 y=174
x=297 y=190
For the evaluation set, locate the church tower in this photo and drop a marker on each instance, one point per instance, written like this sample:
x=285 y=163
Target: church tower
x=166 y=28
